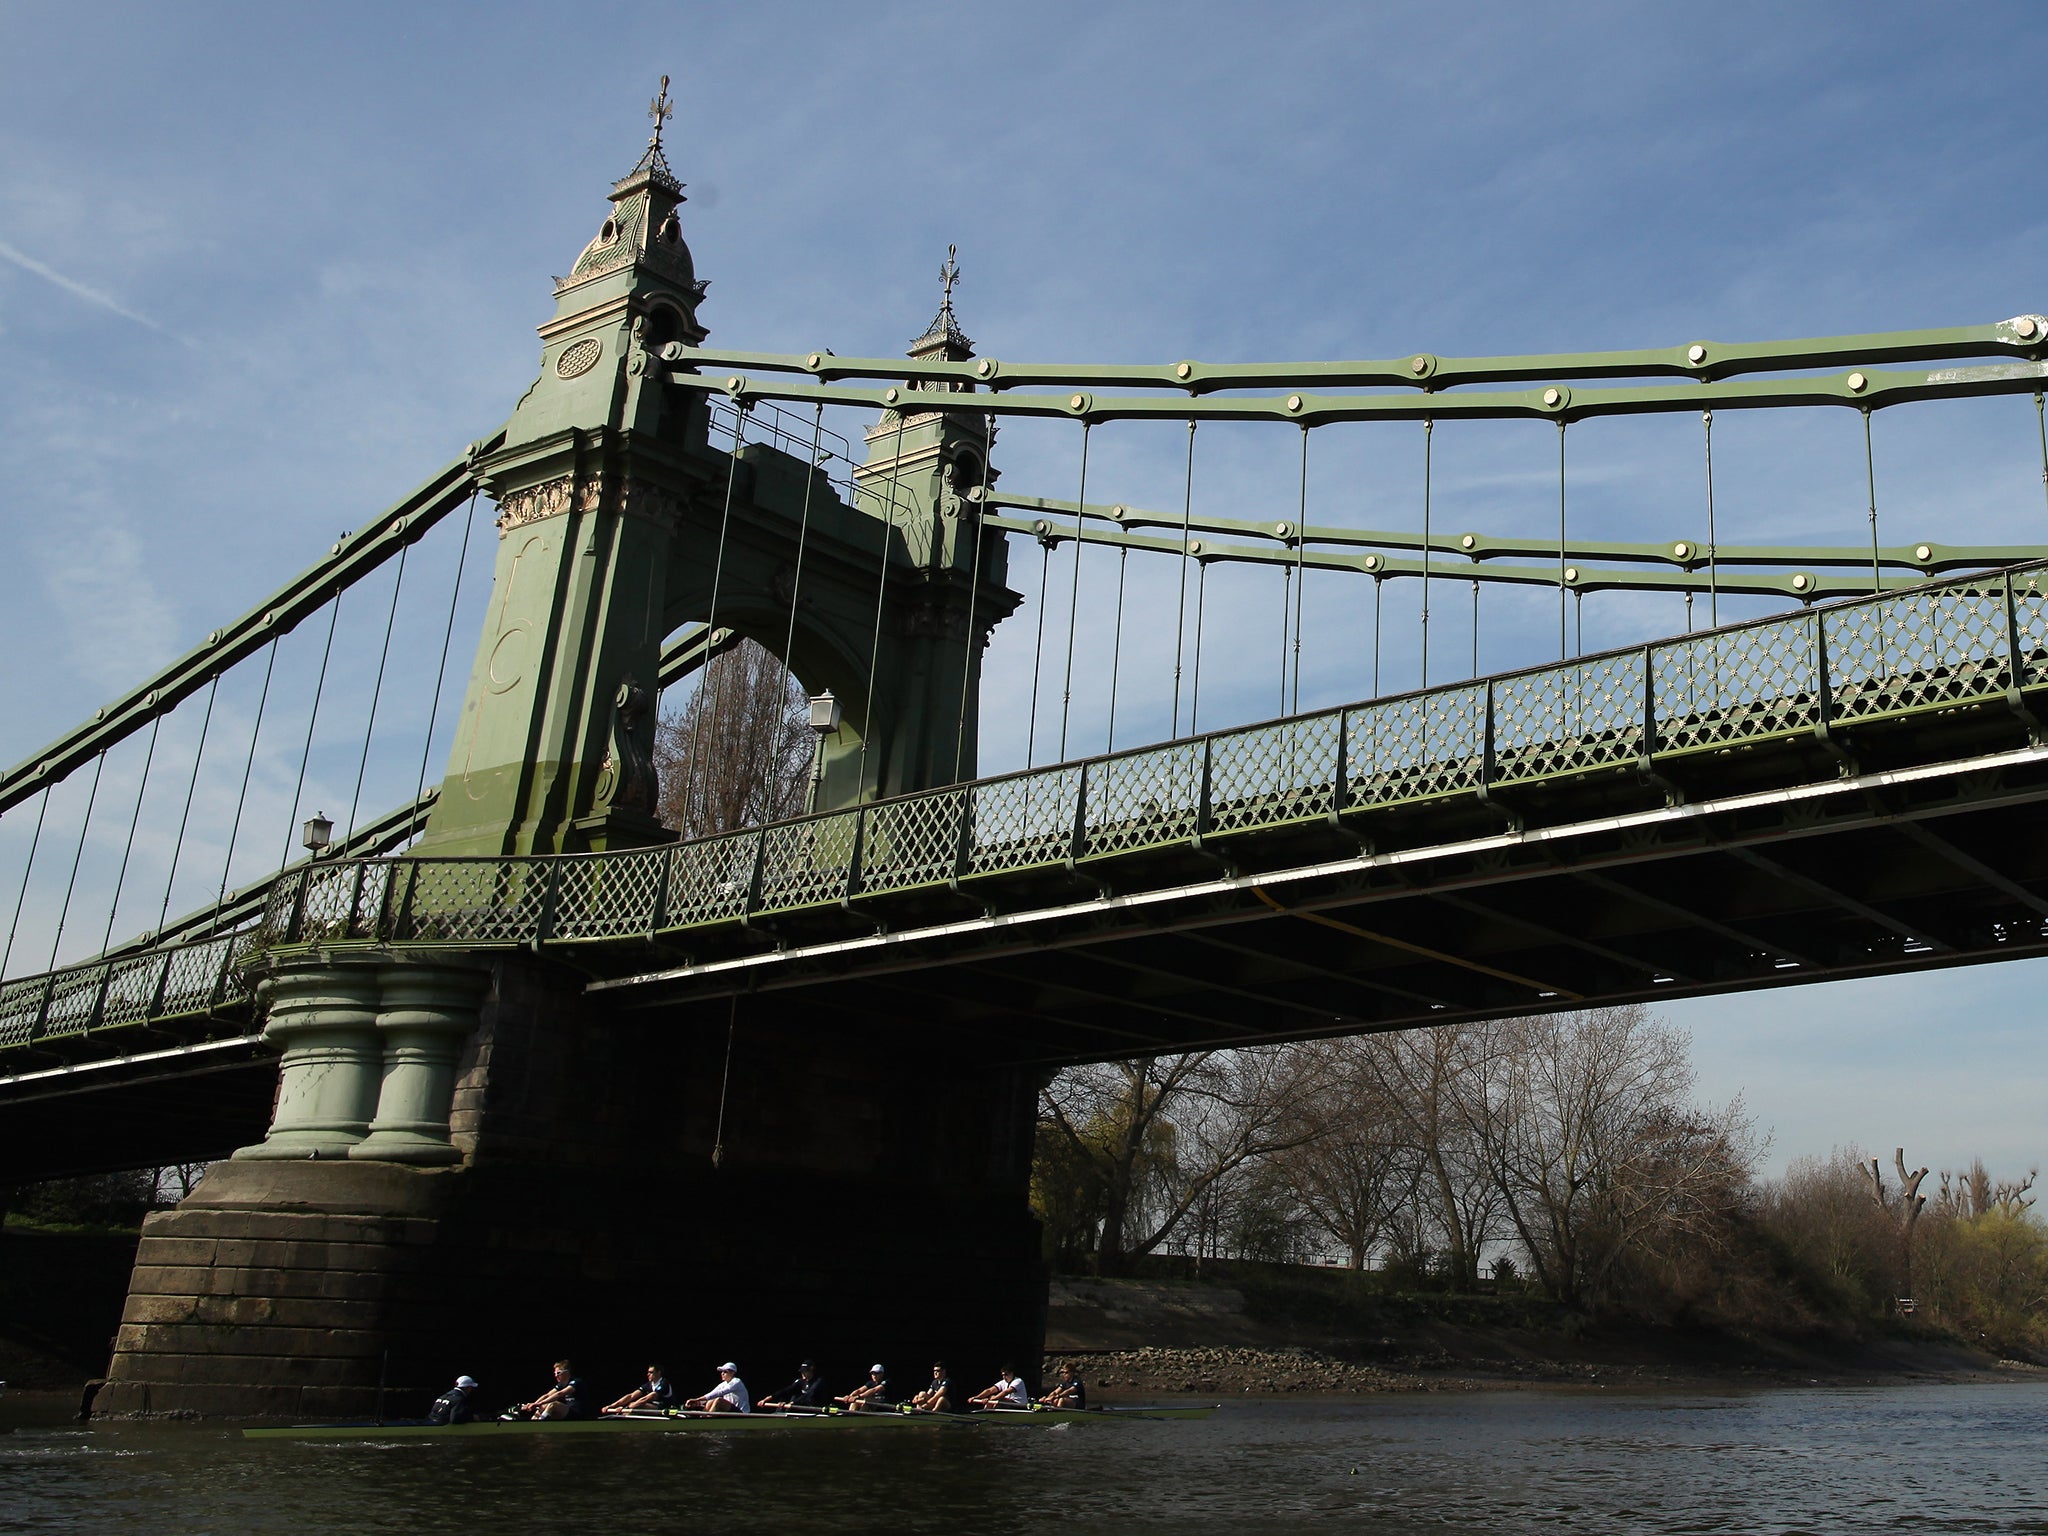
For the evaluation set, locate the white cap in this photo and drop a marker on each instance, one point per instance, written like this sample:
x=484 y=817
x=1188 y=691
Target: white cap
x=465 y=1381
x=729 y=1366
x=876 y=1370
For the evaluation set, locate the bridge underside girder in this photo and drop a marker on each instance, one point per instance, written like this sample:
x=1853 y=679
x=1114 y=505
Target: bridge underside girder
x=1803 y=860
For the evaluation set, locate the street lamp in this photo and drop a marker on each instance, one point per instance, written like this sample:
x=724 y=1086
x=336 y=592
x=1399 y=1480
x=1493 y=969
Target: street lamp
x=317 y=833
x=824 y=722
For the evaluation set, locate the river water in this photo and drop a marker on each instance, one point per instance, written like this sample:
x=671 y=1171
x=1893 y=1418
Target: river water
x=1925 y=1459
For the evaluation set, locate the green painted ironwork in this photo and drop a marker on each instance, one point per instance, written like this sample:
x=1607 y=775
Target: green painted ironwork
x=1684 y=554
x=1800 y=585
x=349 y=561
x=1935 y=648
x=1434 y=385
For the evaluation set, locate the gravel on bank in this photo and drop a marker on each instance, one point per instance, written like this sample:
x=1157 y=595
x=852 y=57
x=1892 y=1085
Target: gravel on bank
x=1239 y=1371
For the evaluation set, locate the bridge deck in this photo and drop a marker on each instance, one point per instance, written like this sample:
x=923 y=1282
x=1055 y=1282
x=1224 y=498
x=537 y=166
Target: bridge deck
x=1829 y=793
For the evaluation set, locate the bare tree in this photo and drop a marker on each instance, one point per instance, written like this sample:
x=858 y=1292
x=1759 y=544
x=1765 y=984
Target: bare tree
x=738 y=751
x=1903 y=1207
x=1351 y=1178
x=1161 y=1132
x=1595 y=1146
x=1430 y=1083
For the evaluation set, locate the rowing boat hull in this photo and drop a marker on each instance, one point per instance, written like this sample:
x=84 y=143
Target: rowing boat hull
x=669 y=1423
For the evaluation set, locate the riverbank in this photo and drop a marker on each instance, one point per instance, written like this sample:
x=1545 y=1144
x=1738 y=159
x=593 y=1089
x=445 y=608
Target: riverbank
x=1273 y=1330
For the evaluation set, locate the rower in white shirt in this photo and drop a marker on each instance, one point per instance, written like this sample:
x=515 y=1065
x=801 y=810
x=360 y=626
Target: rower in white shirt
x=729 y=1396
x=1008 y=1392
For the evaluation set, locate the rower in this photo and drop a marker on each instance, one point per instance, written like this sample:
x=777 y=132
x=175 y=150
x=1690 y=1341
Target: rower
x=729 y=1396
x=1008 y=1392
x=937 y=1395
x=1068 y=1392
x=654 y=1397
x=804 y=1395
x=870 y=1394
x=564 y=1400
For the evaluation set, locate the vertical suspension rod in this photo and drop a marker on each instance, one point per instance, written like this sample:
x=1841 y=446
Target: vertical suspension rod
x=27 y=869
x=1074 y=598
x=447 y=635
x=85 y=826
x=1180 y=611
x=376 y=693
x=134 y=821
x=867 y=729
x=312 y=724
x=988 y=445
x=185 y=816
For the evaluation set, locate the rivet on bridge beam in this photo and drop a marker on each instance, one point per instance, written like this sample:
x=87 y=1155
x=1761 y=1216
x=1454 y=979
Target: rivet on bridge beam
x=1695 y=354
x=1922 y=552
x=1858 y=383
x=1420 y=364
x=985 y=368
x=1183 y=371
x=2026 y=327
x=1681 y=549
x=1078 y=404
x=1801 y=582
x=1468 y=541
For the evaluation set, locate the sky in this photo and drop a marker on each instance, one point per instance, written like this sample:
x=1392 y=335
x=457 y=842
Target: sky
x=264 y=269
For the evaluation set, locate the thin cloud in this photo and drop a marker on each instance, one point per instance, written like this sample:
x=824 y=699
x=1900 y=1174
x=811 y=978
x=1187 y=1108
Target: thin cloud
x=79 y=290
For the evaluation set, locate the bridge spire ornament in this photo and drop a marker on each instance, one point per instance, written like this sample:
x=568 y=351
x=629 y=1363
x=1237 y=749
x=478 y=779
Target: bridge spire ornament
x=943 y=340
x=661 y=109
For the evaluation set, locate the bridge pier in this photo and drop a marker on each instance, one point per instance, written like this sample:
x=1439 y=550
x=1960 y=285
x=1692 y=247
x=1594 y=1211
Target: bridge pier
x=868 y=1200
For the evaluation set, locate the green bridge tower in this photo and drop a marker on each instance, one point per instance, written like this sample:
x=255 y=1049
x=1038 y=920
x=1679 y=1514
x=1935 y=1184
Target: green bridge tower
x=472 y=1165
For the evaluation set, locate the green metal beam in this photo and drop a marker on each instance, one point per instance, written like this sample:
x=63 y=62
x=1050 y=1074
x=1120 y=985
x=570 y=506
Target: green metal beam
x=2023 y=337
x=1800 y=586
x=349 y=561
x=1683 y=554
x=1859 y=389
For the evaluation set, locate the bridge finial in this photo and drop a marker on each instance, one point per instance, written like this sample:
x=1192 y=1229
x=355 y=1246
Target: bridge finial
x=661 y=109
x=943 y=335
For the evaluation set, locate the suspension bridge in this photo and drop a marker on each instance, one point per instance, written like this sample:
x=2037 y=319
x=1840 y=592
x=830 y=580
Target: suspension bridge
x=515 y=990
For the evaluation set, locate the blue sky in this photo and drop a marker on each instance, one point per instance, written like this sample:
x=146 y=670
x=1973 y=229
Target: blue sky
x=262 y=269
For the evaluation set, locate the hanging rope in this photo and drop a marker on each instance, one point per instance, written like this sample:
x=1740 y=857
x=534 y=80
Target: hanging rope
x=796 y=586
x=973 y=592
x=312 y=723
x=1713 y=549
x=1045 y=543
x=1870 y=479
x=128 y=848
x=376 y=692
x=706 y=694
x=1300 y=574
x=732 y=1019
x=447 y=634
x=248 y=763
x=1074 y=599
x=1180 y=611
x=185 y=816
x=1201 y=600
x=35 y=839
x=867 y=730
x=1562 y=635
x=1428 y=441
x=64 y=912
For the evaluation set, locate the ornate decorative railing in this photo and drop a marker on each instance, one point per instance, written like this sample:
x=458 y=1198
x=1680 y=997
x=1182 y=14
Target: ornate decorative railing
x=1941 y=645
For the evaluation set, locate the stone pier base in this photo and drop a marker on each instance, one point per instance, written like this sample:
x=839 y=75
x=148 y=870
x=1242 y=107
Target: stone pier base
x=868 y=1202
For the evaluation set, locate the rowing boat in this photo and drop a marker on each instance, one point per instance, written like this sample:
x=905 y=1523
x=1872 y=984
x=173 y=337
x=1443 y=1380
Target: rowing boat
x=679 y=1419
